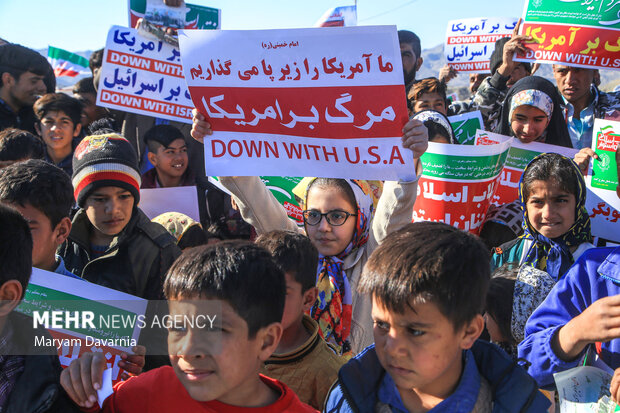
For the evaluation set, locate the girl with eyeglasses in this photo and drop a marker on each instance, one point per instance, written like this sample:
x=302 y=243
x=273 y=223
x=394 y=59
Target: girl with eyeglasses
x=346 y=219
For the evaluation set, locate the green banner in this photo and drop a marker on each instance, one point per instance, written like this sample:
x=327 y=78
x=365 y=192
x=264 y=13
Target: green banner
x=605 y=169
x=465 y=126
x=39 y=298
x=282 y=189
x=519 y=158
x=586 y=13
x=463 y=167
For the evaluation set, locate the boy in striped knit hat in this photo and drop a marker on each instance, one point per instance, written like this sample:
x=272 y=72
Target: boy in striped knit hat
x=112 y=242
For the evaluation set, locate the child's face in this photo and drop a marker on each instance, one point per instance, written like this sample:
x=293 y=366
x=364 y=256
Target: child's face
x=57 y=130
x=294 y=303
x=109 y=209
x=329 y=239
x=432 y=101
x=171 y=161
x=528 y=123
x=224 y=371
x=44 y=237
x=420 y=349
x=550 y=209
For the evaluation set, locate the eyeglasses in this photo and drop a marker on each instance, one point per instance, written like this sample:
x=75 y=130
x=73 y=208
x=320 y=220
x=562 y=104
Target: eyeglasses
x=335 y=217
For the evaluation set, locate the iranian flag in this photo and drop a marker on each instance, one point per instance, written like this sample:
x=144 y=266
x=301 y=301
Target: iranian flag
x=66 y=63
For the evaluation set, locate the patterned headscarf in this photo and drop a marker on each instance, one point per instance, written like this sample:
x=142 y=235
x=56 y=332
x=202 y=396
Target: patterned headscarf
x=333 y=307
x=438 y=118
x=175 y=223
x=556 y=132
x=553 y=255
x=532 y=97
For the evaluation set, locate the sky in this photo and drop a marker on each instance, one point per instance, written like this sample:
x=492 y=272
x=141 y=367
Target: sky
x=79 y=25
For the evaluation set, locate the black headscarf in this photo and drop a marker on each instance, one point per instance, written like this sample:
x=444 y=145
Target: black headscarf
x=557 y=131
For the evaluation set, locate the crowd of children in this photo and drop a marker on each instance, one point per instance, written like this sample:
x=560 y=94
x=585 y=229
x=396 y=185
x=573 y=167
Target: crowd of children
x=358 y=310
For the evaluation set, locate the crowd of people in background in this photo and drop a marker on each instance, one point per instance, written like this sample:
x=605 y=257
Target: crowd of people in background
x=357 y=310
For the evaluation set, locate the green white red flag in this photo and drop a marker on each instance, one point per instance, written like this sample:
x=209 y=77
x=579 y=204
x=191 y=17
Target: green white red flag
x=66 y=63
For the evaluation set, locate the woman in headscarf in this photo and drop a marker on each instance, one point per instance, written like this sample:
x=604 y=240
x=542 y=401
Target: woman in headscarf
x=532 y=113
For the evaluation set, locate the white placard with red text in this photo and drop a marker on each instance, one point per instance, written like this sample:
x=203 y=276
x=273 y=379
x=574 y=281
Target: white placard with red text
x=143 y=76
x=301 y=102
x=470 y=42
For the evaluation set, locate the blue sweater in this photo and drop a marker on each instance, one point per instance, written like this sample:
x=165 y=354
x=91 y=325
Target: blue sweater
x=596 y=274
x=359 y=381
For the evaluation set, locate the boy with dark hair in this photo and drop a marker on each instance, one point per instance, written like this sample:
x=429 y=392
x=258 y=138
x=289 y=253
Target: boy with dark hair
x=19 y=145
x=84 y=91
x=168 y=154
x=244 y=280
x=59 y=126
x=303 y=361
x=22 y=81
x=42 y=193
x=30 y=374
x=428 y=283
x=112 y=243
x=428 y=93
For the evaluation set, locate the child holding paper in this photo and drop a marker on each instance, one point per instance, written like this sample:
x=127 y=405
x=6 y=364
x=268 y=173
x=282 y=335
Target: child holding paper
x=213 y=370
x=580 y=312
x=112 y=243
x=338 y=219
x=30 y=374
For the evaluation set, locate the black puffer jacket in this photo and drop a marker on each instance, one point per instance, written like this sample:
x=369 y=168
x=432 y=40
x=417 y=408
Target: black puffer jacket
x=135 y=263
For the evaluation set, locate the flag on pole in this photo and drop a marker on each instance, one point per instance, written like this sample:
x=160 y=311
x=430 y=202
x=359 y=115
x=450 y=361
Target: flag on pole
x=66 y=63
x=338 y=16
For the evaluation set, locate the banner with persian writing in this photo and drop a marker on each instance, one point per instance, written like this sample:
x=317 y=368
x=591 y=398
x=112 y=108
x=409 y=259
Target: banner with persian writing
x=143 y=76
x=459 y=183
x=326 y=102
x=470 y=42
x=603 y=200
x=574 y=33
x=519 y=156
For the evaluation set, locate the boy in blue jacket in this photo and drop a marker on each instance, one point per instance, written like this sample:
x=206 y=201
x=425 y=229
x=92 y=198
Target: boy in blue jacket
x=583 y=309
x=428 y=283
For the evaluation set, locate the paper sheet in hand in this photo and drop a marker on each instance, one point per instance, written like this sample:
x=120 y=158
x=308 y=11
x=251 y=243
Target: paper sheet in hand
x=156 y=201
